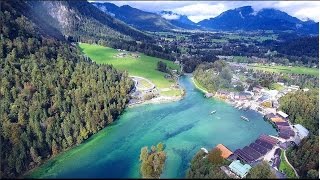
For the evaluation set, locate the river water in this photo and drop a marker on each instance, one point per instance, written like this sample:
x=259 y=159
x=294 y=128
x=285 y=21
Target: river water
x=183 y=126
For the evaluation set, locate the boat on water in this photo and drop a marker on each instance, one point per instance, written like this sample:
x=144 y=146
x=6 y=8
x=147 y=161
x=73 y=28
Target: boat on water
x=212 y=112
x=244 y=118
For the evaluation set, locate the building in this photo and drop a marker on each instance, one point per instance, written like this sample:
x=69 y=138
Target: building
x=239 y=169
x=277 y=119
x=293 y=87
x=208 y=95
x=305 y=89
x=302 y=132
x=282 y=114
x=225 y=152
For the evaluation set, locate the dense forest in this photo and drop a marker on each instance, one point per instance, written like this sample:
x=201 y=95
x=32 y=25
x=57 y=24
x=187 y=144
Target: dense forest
x=214 y=76
x=52 y=98
x=303 y=108
x=305 y=49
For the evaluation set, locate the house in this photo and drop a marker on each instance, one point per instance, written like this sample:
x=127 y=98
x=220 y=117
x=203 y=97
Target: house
x=282 y=114
x=222 y=93
x=225 y=152
x=277 y=119
x=305 y=89
x=208 y=95
x=280 y=83
x=293 y=87
x=302 y=132
x=239 y=169
x=263 y=98
x=257 y=88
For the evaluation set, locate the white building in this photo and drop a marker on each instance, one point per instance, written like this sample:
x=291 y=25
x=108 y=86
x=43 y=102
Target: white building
x=282 y=114
x=302 y=132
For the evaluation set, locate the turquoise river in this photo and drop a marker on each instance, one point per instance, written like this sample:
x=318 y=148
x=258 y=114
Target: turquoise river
x=183 y=126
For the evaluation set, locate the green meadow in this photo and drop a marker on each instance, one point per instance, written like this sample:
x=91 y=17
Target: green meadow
x=287 y=69
x=144 y=66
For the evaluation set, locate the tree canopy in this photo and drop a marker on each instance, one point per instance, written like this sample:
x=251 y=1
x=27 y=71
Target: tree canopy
x=152 y=162
x=261 y=171
x=52 y=98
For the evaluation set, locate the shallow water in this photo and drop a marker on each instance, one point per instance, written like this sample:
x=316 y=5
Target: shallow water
x=183 y=126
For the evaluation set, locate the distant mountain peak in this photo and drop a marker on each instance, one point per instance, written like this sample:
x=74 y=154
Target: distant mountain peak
x=246 y=18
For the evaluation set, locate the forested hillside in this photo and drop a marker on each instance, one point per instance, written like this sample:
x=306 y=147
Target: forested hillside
x=80 y=21
x=51 y=97
x=305 y=49
x=303 y=108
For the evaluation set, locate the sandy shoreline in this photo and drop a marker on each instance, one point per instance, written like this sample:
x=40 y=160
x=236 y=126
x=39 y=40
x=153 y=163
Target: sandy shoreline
x=158 y=100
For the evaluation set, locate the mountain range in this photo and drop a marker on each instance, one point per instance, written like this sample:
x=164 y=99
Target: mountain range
x=78 y=20
x=137 y=18
x=242 y=18
x=245 y=18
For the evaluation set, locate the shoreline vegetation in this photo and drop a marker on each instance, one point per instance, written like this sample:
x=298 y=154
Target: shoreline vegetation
x=198 y=85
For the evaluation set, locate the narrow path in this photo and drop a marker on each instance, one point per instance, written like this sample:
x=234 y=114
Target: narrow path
x=285 y=156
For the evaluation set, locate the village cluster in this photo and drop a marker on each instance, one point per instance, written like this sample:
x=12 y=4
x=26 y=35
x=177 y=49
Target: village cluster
x=265 y=148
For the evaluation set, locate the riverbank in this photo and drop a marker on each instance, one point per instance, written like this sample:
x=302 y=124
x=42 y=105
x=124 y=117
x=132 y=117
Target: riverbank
x=226 y=100
x=157 y=100
x=198 y=86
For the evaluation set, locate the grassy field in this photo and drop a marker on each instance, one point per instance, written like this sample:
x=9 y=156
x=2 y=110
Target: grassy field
x=144 y=66
x=277 y=86
x=287 y=69
x=285 y=167
x=144 y=84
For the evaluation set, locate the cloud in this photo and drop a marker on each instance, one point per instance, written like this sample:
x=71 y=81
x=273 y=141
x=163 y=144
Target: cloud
x=199 y=10
x=171 y=16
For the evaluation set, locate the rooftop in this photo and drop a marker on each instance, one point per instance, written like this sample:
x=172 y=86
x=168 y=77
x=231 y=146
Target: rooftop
x=282 y=114
x=240 y=169
x=303 y=132
x=225 y=151
x=277 y=119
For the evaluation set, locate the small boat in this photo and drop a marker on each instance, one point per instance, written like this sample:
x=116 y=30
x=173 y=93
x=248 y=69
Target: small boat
x=244 y=118
x=212 y=112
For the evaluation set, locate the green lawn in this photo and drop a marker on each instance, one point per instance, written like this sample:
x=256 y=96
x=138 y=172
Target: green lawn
x=144 y=66
x=287 y=69
x=173 y=92
x=285 y=167
x=142 y=83
x=277 y=86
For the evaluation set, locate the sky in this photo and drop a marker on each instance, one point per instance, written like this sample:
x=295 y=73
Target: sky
x=199 y=10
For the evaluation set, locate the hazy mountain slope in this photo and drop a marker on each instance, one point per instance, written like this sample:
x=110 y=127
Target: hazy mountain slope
x=179 y=20
x=137 y=18
x=80 y=19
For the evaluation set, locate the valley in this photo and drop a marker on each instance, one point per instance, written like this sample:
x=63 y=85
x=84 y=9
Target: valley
x=87 y=87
